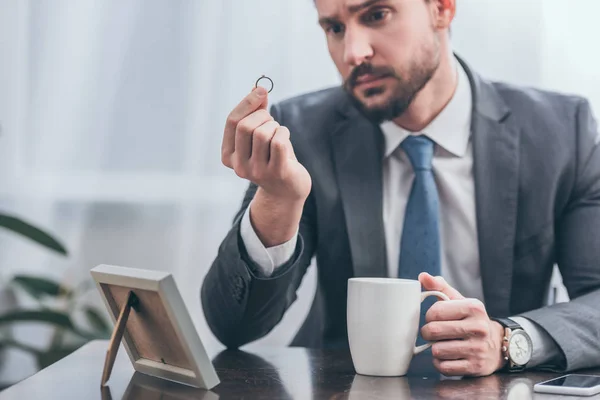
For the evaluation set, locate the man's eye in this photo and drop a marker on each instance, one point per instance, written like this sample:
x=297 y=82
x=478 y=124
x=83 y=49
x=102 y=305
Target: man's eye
x=335 y=29
x=376 y=16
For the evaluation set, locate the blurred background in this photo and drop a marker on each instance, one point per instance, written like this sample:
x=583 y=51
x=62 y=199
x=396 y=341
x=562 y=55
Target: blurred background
x=111 y=116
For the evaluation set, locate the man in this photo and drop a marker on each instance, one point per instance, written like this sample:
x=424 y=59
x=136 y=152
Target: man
x=417 y=168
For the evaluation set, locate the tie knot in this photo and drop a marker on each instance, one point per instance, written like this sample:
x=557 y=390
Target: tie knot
x=419 y=150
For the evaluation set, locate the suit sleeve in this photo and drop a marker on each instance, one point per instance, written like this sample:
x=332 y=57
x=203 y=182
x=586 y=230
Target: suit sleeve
x=575 y=326
x=240 y=304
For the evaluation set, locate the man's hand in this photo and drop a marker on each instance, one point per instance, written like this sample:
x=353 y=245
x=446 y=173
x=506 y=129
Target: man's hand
x=257 y=148
x=467 y=341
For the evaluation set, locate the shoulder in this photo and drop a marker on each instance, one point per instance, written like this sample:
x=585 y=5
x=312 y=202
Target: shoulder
x=313 y=101
x=556 y=129
x=311 y=118
x=311 y=111
x=537 y=106
x=558 y=122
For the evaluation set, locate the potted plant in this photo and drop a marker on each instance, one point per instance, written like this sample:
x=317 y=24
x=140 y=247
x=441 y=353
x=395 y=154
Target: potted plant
x=57 y=305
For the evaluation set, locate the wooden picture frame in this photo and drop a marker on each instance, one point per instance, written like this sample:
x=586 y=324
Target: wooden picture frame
x=159 y=335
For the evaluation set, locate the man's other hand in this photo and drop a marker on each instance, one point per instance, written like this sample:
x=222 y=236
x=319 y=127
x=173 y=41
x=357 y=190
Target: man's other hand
x=467 y=342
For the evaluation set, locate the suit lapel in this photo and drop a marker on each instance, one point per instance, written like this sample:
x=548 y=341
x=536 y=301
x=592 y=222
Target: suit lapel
x=496 y=169
x=357 y=149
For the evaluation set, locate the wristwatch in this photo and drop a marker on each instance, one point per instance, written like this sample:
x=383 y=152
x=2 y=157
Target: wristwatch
x=516 y=345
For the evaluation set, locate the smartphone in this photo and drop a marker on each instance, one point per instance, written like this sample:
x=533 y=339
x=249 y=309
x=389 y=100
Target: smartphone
x=573 y=384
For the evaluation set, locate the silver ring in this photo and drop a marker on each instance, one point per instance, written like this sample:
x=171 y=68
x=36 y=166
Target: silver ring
x=265 y=77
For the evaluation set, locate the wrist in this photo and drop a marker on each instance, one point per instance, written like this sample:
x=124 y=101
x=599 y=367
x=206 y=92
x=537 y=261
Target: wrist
x=499 y=338
x=516 y=347
x=279 y=201
x=275 y=219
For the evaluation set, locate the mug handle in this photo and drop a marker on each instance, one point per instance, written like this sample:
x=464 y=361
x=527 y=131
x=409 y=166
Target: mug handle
x=424 y=295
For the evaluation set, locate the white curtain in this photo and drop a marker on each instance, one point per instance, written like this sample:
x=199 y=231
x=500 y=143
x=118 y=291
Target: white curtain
x=111 y=116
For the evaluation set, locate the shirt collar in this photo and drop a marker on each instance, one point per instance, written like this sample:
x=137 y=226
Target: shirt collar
x=451 y=129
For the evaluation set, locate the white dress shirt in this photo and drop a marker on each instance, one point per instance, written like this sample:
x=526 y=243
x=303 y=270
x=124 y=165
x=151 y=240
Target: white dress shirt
x=453 y=173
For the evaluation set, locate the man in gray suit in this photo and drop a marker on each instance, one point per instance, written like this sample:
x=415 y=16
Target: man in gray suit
x=416 y=168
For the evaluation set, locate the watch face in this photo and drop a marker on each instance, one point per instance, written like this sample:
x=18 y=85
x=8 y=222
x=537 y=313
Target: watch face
x=519 y=348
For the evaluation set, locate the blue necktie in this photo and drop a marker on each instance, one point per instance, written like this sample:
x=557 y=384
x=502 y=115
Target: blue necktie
x=420 y=244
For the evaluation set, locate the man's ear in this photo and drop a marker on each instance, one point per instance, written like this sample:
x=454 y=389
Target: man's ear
x=443 y=13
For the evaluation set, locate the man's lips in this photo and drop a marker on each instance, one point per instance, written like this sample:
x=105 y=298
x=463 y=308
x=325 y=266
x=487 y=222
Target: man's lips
x=369 y=80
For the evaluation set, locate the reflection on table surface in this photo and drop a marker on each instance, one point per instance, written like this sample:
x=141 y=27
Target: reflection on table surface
x=270 y=373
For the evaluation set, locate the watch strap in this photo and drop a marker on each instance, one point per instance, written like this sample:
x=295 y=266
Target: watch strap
x=507 y=323
x=512 y=325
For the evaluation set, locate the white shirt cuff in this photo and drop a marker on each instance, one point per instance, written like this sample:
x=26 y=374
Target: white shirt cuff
x=267 y=259
x=544 y=348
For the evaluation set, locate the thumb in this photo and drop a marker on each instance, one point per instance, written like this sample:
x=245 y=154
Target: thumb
x=438 y=283
x=265 y=102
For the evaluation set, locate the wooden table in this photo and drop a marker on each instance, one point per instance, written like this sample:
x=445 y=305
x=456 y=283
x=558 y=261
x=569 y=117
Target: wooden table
x=269 y=373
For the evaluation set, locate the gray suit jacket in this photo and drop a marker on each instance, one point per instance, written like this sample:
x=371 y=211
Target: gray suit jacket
x=537 y=181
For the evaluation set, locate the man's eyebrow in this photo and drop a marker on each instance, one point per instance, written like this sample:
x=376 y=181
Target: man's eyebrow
x=351 y=9
x=357 y=7
x=328 y=21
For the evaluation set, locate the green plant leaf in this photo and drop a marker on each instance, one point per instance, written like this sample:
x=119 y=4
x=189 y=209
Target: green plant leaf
x=38 y=287
x=31 y=232
x=97 y=321
x=55 y=318
x=47 y=316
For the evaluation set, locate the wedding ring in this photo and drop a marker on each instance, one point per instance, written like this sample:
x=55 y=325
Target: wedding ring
x=265 y=77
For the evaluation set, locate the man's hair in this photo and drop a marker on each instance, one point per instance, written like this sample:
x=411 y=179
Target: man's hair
x=426 y=1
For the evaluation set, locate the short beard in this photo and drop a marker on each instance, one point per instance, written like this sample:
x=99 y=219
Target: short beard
x=403 y=94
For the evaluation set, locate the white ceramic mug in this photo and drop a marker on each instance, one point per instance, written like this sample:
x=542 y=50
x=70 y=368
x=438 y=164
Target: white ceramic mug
x=383 y=323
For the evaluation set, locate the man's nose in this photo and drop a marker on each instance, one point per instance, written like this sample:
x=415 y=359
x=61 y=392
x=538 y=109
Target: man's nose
x=357 y=47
